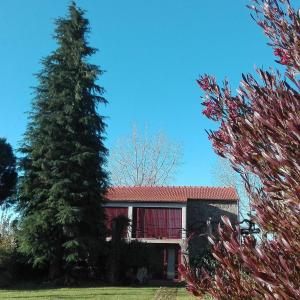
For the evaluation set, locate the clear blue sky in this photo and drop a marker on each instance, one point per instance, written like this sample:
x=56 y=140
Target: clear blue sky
x=152 y=50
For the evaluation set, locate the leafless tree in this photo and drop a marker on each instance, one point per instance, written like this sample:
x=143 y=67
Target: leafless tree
x=7 y=236
x=225 y=175
x=144 y=160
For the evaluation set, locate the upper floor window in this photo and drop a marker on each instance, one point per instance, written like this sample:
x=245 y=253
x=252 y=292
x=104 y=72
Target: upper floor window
x=157 y=223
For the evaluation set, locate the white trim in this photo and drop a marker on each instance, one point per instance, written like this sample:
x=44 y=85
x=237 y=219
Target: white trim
x=144 y=204
x=158 y=241
x=130 y=216
x=153 y=241
x=183 y=222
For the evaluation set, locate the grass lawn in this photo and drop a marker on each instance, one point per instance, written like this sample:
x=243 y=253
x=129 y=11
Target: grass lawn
x=101 y=293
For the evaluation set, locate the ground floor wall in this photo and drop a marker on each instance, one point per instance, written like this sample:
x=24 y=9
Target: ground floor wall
x=165 y=261
x=203 y=217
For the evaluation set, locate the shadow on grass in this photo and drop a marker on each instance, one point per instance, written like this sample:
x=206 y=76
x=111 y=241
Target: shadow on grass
x=71 y=296
x=34 y=286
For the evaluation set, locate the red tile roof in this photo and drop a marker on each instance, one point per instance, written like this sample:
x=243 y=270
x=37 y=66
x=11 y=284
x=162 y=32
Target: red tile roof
x=170 y=193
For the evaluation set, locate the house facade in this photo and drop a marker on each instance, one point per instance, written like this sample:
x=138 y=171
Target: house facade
x=166 y=216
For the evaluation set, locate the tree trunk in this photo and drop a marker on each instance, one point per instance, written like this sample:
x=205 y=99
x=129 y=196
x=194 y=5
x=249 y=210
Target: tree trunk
x=54 y=270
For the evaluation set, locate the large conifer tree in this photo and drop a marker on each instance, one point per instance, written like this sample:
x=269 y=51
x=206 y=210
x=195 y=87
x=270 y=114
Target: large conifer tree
x=63 y=182
x=8 y=174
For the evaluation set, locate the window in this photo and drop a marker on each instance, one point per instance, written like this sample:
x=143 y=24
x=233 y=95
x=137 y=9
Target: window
x=157 y=223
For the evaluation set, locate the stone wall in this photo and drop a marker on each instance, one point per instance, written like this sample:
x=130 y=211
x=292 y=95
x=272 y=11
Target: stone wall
x=198 y=213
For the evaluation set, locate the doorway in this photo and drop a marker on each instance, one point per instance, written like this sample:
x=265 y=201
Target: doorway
x=171 y=263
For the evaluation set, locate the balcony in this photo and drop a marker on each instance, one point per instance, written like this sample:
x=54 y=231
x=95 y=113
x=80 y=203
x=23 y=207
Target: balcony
x=156 y=223
x=150 y=223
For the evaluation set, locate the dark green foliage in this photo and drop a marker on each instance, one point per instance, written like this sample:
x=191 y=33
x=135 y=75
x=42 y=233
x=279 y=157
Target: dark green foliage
x=119 y=227
x=12 y=263
x=62 y=187
x=8 y=174
x=204 y=260
x=130 y=256
x=137 y=254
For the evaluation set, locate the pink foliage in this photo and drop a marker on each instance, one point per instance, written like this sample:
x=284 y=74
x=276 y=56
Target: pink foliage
x=203 y=82
x=211 y=110
x=260 y=133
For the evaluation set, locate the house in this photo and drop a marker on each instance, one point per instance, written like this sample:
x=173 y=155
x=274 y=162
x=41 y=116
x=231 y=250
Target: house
x=164 y=216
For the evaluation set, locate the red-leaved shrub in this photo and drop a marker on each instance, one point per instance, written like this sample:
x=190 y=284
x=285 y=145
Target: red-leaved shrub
x=260 y=134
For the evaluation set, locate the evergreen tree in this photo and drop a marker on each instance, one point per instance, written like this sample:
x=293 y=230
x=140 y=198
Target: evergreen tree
x=8 y=174
x=64 y=180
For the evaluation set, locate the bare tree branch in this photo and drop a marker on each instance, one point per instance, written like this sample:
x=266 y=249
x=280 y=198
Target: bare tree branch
x=143 y=160
x=224 y=175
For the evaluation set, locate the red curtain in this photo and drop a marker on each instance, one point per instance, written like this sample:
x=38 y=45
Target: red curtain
x=158 y=223
x=113 y=212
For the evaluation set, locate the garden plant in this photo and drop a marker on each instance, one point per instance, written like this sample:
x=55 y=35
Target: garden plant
x=259 y=133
